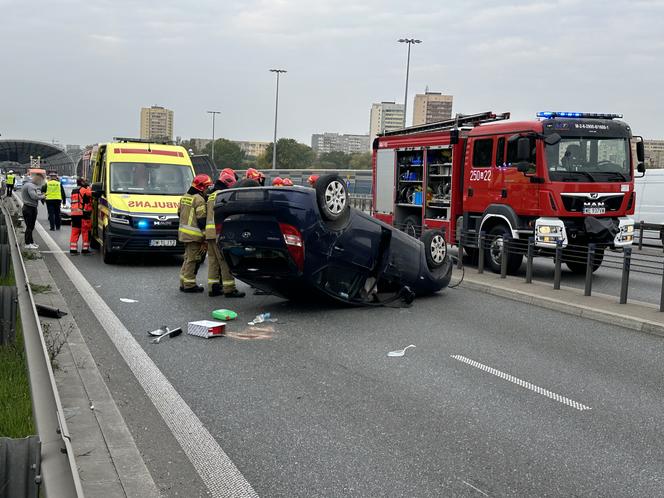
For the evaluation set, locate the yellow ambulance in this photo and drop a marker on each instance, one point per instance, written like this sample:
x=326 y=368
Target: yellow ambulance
x=136 y=190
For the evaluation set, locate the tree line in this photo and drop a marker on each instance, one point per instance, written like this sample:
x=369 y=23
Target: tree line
x=290 y=155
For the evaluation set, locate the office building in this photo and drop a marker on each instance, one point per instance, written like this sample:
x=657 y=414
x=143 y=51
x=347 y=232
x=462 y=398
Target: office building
x=252 y=149
x=322 y=143
x=156 y=123
x=431 y=107
x=386 y=116
x=654 y=152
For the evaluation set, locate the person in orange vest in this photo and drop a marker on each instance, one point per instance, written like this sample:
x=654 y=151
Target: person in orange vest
x=79 y=198
x=86 y=222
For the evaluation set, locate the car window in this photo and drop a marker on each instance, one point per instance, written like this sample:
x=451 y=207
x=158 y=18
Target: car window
x=482 y=153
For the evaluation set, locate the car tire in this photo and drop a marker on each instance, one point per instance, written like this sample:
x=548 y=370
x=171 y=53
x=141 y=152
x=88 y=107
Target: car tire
x=332 y=197
x=435 y=248
x=412 y=225
x=107 y=255
x=576 y=262
x=493 y=251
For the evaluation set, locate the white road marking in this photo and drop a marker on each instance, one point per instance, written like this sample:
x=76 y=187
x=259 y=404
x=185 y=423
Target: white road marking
x=475 y=488
x=522 y=383
x=216 y=469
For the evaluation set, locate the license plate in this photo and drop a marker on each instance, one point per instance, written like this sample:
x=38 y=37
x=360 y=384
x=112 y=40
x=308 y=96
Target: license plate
x=163 y=242
x=594 y=210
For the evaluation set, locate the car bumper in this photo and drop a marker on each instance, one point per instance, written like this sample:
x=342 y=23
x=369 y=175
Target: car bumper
x=129 y=239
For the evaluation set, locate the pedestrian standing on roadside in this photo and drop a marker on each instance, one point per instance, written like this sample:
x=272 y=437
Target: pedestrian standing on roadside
x=31 y=194
x=9 y=182
x=55 y=198
x=193 y=216
x=220 y=279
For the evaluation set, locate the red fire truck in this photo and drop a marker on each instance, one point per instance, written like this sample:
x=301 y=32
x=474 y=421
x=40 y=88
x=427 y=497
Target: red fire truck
x=565 y=177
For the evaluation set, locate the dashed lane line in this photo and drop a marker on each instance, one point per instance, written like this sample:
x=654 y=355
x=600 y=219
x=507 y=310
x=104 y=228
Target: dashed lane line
x=215 y=468
x=522 y=383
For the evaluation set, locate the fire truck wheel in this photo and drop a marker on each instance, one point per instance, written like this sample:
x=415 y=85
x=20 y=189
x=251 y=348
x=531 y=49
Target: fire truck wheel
x=435 y=248
x=411 y=225
x=576 y=260
x=494 y=251
x=332 y=197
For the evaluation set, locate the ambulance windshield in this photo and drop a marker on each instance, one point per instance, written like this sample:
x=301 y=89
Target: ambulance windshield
x=150 y=178
x=584 y=159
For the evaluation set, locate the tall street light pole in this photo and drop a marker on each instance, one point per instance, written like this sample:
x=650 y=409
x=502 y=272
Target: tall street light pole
x=214 y=115
x=409 y=41
x=276 y=112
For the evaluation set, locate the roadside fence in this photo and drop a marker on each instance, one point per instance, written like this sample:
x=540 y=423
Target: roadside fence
x=580 y=259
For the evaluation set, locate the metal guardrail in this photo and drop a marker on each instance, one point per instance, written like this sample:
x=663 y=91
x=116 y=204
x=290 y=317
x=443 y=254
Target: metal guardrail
x=626 y=260
x=59 y=473
x=361 y=202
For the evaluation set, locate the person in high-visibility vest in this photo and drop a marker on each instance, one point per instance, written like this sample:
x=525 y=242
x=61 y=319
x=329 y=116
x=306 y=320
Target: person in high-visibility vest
x=76 y=204
x=193 y=215
x=220 y=280
x=9 y=182
x=86 y=222
x=55 y=198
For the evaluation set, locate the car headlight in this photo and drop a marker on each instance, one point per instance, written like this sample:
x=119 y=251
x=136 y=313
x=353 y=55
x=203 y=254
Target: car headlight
x=123 y=219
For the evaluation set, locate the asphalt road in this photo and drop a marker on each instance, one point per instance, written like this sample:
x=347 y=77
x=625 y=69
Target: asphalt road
x=318 y=409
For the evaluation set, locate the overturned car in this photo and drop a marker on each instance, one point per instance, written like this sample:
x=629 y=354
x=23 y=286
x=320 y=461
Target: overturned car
x=300 y=242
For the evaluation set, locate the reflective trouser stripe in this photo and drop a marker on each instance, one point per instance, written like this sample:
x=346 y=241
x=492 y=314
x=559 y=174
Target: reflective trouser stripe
x=213 y=281
x=228 y=283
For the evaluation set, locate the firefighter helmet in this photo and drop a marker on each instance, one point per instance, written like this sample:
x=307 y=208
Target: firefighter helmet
x=253 y=174
x=312 y=179
x=227 y=178
x=287 y=182
x=230 y=171
x=277 y=182
x=201 y=182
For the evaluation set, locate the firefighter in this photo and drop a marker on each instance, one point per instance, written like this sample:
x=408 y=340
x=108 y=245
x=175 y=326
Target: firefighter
x=192 y=213
x=278 y=182
x=86 y=222
x=254 y=174
x=55 y=197
x=220 y=280
x=9 y=182
x=312 y=180
x=78 y=200
x=287 y=182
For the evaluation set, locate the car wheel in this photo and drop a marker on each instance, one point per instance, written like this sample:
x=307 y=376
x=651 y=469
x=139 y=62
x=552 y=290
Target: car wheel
x=576 y=260
x=494 y=251
x=411 y=225
x=435 y=248
x=332 y=197
x=107 y=255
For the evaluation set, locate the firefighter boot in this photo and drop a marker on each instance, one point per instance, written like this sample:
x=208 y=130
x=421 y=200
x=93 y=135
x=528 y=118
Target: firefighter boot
x=215 y=290
x=234 y=293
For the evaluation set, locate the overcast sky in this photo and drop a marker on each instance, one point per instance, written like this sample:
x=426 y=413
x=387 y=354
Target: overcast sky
x=78 y=71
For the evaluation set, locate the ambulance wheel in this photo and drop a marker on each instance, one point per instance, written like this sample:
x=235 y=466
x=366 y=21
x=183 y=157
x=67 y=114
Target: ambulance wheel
x=435 y=248
x=107 y=255
x=576 y=260
x=493 y=253
x=332 y=197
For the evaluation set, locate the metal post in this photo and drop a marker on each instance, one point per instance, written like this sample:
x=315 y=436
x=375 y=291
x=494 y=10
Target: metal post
x=503 y=256
x=529 y=260
x=480 y=253
x=589 y=270
x=460 y=254
x=624 y=280
x=558 y=263
x=408 y=41
x=276 y=114
x=640 y=235
x=661 y=294
x=214 y=116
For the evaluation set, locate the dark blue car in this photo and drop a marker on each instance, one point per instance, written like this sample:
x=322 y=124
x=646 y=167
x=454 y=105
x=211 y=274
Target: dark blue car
x=301 y=243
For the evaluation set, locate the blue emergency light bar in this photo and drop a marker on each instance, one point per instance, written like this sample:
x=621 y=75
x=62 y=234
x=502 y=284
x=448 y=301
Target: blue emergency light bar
x=143 y=224
x=588 y=115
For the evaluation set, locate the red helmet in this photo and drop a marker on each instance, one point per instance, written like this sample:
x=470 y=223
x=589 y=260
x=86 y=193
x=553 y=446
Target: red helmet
x=277 y=182
x=230 y=171
x=312 y=179
x=227 y=177
x=287 y=182
x=201 y=182
x=253 y=174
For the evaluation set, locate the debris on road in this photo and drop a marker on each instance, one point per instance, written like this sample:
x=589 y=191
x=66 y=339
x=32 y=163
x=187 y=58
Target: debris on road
x=49 y=311
x=223 y=314
x=159 y=332
x=263 y=317
x=127 y=300
x=169 y=333
x=253 y=333
x=400 y=352
x=206 y=328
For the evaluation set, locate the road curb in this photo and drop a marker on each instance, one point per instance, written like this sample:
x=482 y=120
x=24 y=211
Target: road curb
x=634 y=315
x=107 y=457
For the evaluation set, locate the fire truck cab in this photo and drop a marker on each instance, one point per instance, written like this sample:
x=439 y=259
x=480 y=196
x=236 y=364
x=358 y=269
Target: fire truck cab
x=565 y=179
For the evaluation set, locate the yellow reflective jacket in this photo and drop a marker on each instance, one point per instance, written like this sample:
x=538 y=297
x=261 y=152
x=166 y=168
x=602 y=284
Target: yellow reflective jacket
x=10 y=179
x=53 y=191
x=210 y=228
x=192 y=208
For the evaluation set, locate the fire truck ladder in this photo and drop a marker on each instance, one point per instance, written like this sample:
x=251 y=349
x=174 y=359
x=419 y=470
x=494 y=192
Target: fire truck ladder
x=451 y=124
